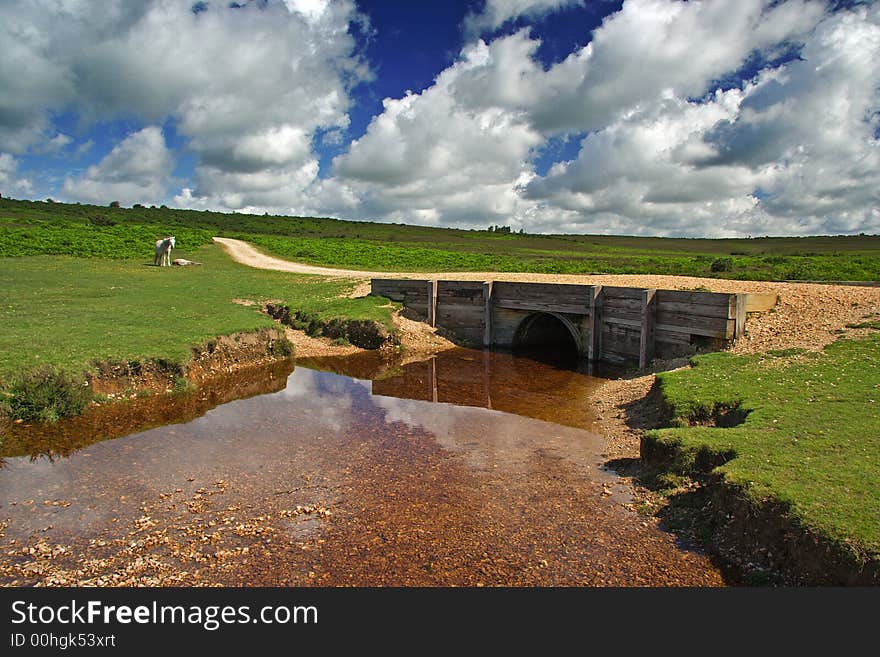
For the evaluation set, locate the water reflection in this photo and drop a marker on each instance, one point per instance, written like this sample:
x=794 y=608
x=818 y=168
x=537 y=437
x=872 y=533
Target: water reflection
x=548 y=389
x=479 y=405
x=99 y=423
x=469 y=467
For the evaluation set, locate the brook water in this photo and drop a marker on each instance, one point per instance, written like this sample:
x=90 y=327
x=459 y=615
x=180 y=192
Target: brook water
x=471 y=468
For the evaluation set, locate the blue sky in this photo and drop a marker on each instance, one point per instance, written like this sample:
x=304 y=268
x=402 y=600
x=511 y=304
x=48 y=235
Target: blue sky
x=650 y=117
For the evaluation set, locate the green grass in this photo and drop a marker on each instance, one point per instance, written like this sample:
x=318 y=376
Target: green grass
x=811 y=437
x=65 y=312
x=872 y=324
x=34 y=228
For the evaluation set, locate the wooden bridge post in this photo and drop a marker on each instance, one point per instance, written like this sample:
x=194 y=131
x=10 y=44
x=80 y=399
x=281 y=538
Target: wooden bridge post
x=432 y=303
x=487 y=314
x=595 y=302
x=646 y=337
x=740 y=324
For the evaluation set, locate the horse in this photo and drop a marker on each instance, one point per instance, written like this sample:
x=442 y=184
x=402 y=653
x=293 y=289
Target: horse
x=163 y=252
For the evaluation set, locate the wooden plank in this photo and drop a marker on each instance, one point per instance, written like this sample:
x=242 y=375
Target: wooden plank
x=702 y=310
x=461 y=298
x=593 y=298
x=686 y=322
x=444 y=307
x=646 y=335
x=724 y=334
x=671 y=336
x=507 y=289
x=619 y=313
x=633 y=322
x=698 y=298
x=397 y=283
x=622 y=292
x=740 y=322
x=487 y=313
x=457 y=321
x=634 y=305
x=381 y=290
x=432 y=303
x=453 y=320
x=580 y=309
x=759 y=303
x=405 y=291
x=551 y=304
x=460 y=285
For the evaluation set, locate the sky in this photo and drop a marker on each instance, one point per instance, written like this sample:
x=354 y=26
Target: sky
x=642 y=117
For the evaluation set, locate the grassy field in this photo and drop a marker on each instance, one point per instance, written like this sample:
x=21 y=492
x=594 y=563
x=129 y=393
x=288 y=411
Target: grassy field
x=67 y=311
x=76 y=286
x=35 y=228
x=811 y=435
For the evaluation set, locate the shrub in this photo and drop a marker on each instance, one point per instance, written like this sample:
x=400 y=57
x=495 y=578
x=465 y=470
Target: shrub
x=182 y=385
x=281 y=347
x=46 y=395
x=114 y=204
x=721 y=264
x=101 y=220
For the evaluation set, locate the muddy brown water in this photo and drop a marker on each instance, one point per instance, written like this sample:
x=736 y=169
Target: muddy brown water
x=470 y=468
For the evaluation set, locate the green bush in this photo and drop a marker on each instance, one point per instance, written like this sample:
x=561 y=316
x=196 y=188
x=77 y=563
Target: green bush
x=182 y=386
x=722 y=264
x=46 y=395
x=101 y=220
x=281 y=347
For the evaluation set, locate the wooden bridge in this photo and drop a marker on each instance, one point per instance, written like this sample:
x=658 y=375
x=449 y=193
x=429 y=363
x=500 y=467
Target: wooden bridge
x=604 y=323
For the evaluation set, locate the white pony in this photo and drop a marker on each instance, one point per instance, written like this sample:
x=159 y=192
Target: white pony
x=163 y=252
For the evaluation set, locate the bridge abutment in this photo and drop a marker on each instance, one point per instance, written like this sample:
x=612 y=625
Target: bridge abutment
x=607 y=323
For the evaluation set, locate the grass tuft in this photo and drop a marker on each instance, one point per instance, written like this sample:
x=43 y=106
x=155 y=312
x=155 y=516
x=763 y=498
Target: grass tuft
x=46 y=394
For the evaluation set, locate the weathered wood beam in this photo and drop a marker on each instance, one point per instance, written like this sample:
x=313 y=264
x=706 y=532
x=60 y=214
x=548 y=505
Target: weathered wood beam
x=740 y=325
x=540 y=306
x=646 y=336
x=594 y=301
x=759 y=303
x=432 y=303
x=487 y=314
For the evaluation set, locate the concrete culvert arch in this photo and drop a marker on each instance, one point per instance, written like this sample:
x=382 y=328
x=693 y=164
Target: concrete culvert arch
x=551 y=333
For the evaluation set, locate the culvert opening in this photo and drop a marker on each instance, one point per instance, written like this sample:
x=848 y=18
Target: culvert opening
x=546 y=338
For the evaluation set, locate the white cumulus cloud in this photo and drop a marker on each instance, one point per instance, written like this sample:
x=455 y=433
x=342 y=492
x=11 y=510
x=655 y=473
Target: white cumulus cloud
x=248 y=87
x=438 y=158
x=670 y=139
x=137 y=170
x=496 y=13
x=9 y=177
x=665 y=146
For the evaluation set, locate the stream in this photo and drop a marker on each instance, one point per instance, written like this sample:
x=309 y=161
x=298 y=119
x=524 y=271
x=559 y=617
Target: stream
x=470 y=468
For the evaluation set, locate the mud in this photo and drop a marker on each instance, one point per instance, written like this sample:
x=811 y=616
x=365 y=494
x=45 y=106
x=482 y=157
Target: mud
x=220 y=356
